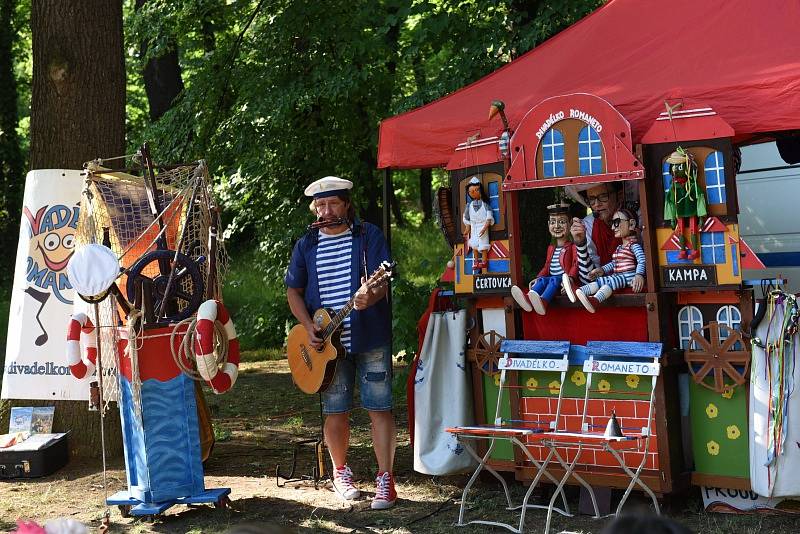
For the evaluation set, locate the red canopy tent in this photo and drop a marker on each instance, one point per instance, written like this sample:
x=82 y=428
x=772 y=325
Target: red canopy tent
x=742 y=57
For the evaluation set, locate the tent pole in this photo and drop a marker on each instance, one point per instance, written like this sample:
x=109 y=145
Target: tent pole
x=387 y=214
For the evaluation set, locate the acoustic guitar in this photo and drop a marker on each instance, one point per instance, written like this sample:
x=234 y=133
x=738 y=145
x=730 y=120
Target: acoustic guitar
x=313 y=369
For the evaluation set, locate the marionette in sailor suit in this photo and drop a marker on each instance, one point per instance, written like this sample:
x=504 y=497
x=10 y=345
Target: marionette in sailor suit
x=477 y=219
x=561 y=262
x=685 y=200
x=626 y=268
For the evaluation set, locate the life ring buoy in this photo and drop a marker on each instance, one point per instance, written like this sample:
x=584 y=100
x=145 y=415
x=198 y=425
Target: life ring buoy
x=209 y=312
x=81 y=331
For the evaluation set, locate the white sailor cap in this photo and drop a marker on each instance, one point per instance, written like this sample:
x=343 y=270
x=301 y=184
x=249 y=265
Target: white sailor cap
x=328 y=187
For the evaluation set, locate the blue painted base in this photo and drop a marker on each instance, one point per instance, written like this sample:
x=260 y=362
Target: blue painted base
x=123 y=498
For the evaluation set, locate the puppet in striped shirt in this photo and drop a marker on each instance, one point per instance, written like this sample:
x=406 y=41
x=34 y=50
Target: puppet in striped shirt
x=561 y=262
x=626 y=268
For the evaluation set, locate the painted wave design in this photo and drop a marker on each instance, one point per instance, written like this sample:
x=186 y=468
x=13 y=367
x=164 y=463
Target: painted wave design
x=169 y=438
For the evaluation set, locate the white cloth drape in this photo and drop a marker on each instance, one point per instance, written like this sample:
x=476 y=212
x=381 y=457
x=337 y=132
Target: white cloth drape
x=442 y=396
x=782 y=477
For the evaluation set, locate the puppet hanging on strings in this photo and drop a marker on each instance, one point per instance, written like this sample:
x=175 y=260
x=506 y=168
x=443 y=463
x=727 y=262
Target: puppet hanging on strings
x=685 y=200
x=477 y=219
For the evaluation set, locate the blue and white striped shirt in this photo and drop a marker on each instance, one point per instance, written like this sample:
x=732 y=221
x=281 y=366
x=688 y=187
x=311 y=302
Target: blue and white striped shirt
x=334 y=275
x=555 y=262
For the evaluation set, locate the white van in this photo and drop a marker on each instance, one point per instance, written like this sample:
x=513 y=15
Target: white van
x=769 y=218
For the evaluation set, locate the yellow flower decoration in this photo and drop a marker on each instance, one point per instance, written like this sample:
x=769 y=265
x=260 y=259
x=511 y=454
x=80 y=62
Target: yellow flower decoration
x=578 y=378
x=733 y=432
x=727 y=392
x=632 y=381
x=713 y=448
x=604 y=386
x=711 y=410
x=497 y=379
x=532 y=383
x=554 y=386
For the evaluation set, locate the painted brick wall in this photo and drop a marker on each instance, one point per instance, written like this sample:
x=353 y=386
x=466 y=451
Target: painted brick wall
x=539 y=412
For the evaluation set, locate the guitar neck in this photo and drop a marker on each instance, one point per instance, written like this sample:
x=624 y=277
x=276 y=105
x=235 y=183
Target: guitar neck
x=337 y=319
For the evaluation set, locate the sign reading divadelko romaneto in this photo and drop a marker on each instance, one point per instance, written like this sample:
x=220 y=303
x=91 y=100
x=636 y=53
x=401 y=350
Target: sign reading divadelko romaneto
x=492 y=283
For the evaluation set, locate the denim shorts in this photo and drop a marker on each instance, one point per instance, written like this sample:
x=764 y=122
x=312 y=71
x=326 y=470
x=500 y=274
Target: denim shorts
x=374 y=382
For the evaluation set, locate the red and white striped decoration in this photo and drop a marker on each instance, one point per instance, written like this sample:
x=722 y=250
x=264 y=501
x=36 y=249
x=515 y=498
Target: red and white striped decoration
x=673 y=243
x=498 y=250
x=210 y=312
x=81 y=331
x=713 y=224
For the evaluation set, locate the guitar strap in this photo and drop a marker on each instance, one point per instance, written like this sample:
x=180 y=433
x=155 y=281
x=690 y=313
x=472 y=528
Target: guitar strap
x=363 y=251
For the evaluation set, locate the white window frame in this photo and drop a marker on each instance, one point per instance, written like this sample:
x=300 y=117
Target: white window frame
x=591 y=157
x=718 y=171
x=731 y=324
x=552 y=145
x=716 y=248
x=686 y=316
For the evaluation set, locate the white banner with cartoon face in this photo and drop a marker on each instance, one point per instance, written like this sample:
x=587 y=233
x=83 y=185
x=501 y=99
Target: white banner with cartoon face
x=41 y=298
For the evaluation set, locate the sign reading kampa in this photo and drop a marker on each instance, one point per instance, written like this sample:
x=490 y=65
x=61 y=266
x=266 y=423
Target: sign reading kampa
x=492 y=283
x=689 y=275
x=620 y=368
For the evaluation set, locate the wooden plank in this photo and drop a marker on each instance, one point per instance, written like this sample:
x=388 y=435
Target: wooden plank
x=720 y=481
x=535 y=348
x=514 y=242
x=629 y=349
x=648 y=233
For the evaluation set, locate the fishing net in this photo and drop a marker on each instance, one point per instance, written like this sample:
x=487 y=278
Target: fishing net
x=162 y=226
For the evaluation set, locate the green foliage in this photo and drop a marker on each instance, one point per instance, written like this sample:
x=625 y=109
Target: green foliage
x=279 y=93
x=259 y=308
x=11 y=157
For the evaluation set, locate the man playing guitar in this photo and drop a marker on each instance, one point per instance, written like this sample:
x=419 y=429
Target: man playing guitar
x=328 y=265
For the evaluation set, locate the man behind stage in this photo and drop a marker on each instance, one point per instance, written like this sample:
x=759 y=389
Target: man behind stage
x=593 y=236
x=327 y=267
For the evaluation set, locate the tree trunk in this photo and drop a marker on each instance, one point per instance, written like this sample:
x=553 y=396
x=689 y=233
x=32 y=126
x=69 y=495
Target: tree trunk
x=11 y=160
x=383 y=106
x=425 y=193
x=78 y=104
x=163 y=81
x=78 y=114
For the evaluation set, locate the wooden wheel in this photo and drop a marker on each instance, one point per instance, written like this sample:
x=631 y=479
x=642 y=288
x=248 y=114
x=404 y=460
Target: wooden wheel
x=717 y=355
x=487 y=351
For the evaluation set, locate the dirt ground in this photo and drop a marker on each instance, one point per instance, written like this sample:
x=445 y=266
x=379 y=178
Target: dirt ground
x=257 y=423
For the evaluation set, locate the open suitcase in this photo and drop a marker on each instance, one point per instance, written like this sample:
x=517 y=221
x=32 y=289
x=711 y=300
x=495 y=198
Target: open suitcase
x=37 y=456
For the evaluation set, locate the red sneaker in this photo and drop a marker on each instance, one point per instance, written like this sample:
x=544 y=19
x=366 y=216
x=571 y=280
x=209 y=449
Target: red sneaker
x=385 y=494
